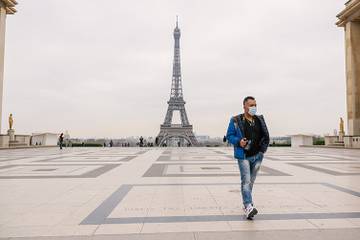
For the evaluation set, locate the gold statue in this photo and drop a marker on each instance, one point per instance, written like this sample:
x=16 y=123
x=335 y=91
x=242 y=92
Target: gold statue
x=11 y=121
x=341 y=125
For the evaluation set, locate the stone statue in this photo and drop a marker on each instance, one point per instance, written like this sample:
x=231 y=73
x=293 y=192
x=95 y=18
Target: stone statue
x=341 y=125
x=11 y=121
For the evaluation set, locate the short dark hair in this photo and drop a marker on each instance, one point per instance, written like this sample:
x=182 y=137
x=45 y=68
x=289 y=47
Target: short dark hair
x=248 y=98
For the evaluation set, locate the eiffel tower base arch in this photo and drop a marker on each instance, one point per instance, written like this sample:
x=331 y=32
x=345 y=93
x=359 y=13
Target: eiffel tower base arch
x=174 y=131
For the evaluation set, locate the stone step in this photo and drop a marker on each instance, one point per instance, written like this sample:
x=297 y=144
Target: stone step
x=16 y=144
x=337 y=144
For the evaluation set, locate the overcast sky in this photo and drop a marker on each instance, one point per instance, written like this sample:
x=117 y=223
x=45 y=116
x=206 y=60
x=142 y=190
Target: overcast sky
x=105 y=70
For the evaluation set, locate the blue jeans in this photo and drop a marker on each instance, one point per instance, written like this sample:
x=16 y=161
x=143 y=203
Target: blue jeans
x=248 y=170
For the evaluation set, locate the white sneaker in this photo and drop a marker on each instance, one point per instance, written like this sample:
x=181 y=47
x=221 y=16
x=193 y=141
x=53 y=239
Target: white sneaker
x=250 y=211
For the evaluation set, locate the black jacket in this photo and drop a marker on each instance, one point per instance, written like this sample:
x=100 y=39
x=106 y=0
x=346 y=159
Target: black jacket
x=265 y=139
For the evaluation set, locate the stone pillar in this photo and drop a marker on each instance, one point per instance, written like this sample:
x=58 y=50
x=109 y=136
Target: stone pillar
x=341 y=136
x=2 y=50
x=11 y=133
x=352 y=43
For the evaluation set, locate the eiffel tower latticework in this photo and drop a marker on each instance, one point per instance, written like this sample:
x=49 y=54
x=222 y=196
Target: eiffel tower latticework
x=176 y=103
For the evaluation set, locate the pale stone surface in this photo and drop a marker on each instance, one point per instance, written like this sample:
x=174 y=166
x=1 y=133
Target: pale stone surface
x=352 y=32
x=6 y=7
x=11 y=133
x=4 y=141
x=45 y=139
x=74 y=194
x=301 y=140
x=349 y=18
x=352 y=141
x=2 y=50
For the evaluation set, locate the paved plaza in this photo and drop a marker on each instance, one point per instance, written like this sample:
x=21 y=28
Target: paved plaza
x=176 y=193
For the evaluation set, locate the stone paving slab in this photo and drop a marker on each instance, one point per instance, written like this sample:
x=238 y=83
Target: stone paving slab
x=176 y=193
x=328 y=234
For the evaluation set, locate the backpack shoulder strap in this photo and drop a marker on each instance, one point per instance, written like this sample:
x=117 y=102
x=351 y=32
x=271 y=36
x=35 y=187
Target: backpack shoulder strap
x=237 y=120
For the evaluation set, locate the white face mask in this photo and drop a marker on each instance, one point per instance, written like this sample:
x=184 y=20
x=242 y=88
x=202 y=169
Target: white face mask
x=252 y=110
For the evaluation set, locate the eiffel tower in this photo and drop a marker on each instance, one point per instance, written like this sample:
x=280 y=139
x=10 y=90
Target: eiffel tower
x=176 y=132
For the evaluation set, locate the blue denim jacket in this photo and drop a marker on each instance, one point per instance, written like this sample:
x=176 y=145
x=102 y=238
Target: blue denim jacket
x=235 y=133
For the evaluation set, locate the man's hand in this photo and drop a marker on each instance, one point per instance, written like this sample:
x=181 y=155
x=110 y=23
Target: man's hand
x=243 y=142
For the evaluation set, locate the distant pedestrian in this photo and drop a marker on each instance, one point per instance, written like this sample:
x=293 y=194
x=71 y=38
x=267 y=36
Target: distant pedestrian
x=141 y=143
x=111 y=143
x=61 y=140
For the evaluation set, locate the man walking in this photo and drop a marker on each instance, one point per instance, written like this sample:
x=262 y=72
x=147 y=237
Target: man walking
x=250 y=137
x=61 y=140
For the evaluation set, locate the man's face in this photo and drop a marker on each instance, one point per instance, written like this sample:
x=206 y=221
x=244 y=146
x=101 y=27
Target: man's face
x=249 y=103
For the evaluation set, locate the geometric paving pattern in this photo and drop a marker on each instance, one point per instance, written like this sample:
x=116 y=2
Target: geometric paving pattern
x=31 y=171
x=332 y=168
x=203 y=170
x=95 y=158
x=176 y=193
x=195 y=158
x=218 y=212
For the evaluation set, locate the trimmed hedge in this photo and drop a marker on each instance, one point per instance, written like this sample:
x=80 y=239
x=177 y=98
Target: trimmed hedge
x=319 y=141
x=280 y=145
x=86 y=145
